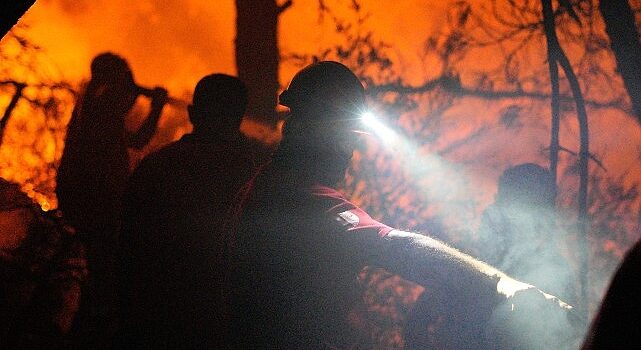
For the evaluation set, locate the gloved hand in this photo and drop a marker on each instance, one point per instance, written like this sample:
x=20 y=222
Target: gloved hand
x=159 y=97
x=529 y=318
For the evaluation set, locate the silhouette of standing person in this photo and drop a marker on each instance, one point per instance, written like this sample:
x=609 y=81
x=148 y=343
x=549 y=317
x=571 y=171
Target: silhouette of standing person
x=519 y=233
x=172 y=249
x=297 y=244
x=616 y=324
x=91 y=179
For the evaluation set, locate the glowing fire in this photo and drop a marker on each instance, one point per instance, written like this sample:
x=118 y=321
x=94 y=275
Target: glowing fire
x=174 y=43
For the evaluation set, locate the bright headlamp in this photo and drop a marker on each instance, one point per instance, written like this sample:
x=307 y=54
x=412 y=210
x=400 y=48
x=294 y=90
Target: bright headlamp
x=372 y=124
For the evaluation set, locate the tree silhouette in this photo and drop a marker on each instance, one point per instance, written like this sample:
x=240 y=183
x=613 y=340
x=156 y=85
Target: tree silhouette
x=516 y=29
x=622 y=31
x=258 y=56
x=34 y=121
x=556 y=56
x=514 y=88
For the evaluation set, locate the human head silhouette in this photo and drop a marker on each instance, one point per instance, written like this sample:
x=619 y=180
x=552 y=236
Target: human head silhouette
x=325 y=89
x=218 y=104
x=326 y=100
x=109 y=68
x=526 y=184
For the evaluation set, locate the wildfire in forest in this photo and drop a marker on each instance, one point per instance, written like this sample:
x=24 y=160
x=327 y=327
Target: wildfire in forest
x=193 y=39
x=460 y=140
x=172 y=44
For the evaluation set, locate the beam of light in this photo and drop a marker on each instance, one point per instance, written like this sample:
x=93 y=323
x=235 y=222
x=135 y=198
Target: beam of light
x=442 y=182
x=374 y=125
x=439 y=180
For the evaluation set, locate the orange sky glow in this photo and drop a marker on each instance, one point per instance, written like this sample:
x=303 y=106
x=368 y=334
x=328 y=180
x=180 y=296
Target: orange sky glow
x=174 y=43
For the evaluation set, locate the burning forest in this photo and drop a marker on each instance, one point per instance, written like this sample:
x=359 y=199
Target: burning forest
x=508 y=131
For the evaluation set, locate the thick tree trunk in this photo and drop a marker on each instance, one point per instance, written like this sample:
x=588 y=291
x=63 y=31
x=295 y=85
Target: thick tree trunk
x=257 y=55
x=10 y=13
x=624 y=41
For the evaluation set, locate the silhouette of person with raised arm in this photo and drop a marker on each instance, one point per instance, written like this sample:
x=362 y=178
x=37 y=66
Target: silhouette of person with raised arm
x=92 y=175
x=172 y=246
x=519 y=233
x=297 y=244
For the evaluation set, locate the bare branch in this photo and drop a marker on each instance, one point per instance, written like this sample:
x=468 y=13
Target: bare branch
x=399 y=87
x=53 y=86
x=12 y=105
x=592 y=157
x=454 y=86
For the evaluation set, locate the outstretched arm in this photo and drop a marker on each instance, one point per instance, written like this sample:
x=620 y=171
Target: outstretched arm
x=515 y=314
x=144 y=134
x=426 y=260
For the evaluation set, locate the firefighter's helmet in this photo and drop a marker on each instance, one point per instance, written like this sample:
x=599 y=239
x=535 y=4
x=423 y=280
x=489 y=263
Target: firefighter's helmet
x=325 y=86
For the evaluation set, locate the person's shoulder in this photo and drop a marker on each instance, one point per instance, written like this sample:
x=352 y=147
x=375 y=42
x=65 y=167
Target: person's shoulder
x=254 y=147
x=159 y=162
x=635 y=252
x=165 y=154
x=346 y=215
x=327 y=193
x=630 y=267
x=329 y=199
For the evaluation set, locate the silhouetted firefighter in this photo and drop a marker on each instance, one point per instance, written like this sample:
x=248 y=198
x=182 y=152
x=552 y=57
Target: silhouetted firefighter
x=297 y=244
x=616 y=324
x=520 y=235
x=173 y=252
x=92 y=177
